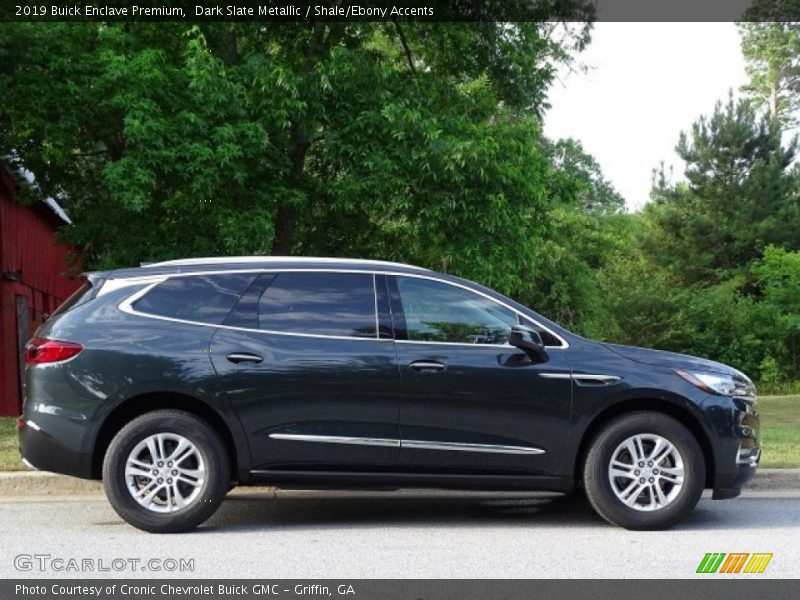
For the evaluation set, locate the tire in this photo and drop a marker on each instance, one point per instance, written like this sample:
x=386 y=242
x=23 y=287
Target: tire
x=191 y=497
x=622 y=439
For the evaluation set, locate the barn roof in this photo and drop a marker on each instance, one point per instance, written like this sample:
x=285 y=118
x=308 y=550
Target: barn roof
x=30 y=180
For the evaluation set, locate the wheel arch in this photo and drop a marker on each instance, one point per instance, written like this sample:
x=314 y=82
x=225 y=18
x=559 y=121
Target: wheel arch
x=676 y=411
x=138 y=405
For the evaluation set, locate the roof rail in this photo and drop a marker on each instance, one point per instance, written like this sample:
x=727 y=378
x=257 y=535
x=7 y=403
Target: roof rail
x=216 y=260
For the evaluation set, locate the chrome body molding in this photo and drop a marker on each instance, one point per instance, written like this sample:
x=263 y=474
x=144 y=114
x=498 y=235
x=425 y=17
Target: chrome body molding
x=463 y=447
x=336 y=439
x=578 y=377
x=411 y=444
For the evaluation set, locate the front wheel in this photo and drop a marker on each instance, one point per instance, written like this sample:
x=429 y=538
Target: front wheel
x=644 y=470
x=166 y=471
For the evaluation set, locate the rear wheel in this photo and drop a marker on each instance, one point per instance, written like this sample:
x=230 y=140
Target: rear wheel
x=166 y=471
x=644 y=470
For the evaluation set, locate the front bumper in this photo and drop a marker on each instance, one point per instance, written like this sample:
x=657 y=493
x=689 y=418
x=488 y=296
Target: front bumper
x=740 y=451
x=734 y=488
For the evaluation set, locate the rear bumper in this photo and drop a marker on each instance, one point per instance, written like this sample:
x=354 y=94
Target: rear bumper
x=43 y=452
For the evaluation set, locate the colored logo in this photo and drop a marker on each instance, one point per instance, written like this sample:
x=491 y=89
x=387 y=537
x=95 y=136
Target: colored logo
x=735 y=562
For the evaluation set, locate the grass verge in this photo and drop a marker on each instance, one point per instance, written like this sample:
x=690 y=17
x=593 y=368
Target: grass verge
x=780 y=431
x=9 y=449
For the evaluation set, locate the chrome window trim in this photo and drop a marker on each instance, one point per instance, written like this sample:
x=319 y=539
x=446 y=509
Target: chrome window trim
x=467 y=344
x=125 y=305
x=375 y=298
x=112 y=285
x=412 y=444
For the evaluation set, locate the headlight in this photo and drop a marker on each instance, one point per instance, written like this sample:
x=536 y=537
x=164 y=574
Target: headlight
x=719 y=383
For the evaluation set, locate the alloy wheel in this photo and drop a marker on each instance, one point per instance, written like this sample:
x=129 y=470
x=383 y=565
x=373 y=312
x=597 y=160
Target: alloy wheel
x=646 y=472
x=165 y=472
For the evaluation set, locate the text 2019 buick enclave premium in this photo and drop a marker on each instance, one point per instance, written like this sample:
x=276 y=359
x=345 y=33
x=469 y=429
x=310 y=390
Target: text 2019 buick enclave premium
x=176 y=380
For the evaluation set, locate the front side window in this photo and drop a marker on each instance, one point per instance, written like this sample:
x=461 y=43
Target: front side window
x=340 y=304
x=200 y=298
x=438 y=312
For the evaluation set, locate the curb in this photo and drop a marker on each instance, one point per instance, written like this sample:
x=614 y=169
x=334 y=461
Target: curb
x=37 y=483
x=767 y=480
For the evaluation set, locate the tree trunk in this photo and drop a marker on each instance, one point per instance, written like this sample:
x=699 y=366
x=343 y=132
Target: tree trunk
x=231 y=47
x=287 y=214
x=285 y=220
x=286 y=217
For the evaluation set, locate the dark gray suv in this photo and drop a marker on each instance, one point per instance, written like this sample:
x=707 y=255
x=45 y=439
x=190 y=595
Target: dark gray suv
x=174 y=381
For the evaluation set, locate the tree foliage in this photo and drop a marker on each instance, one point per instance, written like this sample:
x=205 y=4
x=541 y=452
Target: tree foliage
x=772 y=60
x=709 y=265
x=167 y=140
x=740 y=195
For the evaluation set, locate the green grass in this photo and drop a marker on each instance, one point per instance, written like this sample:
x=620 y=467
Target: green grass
x=780 y=433
x=9 y=450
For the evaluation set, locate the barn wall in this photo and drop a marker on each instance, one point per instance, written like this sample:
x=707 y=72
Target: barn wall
x=28 y=251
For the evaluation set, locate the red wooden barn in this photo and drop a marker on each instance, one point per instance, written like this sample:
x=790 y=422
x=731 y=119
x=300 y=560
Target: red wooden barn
x=32 y=280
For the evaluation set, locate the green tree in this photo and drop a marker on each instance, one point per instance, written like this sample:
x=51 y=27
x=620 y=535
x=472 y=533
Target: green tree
x=778 y=274
x=595 y=193
x=772 y=61
x=740 y=195
x=166 y=140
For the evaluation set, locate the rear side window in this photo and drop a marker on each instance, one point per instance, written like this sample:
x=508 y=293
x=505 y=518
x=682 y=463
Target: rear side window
x=341 y=304
x=201 y=298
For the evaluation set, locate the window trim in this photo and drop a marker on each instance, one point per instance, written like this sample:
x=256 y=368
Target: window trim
x=375 y=305
x=126 y=305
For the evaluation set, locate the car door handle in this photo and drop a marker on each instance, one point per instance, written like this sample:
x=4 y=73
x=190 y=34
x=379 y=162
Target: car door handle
x=427 y=365
x=242 y=357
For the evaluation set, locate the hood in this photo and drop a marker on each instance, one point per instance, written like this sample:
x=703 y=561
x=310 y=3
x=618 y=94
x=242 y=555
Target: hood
x=673 y=360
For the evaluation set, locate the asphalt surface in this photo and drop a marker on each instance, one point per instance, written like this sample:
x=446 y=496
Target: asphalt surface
x=403 y=535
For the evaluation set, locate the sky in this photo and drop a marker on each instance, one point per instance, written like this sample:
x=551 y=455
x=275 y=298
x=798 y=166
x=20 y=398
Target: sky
x=645 y=84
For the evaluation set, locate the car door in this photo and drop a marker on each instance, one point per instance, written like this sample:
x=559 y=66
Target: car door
x=307 y=366
x=470 y=402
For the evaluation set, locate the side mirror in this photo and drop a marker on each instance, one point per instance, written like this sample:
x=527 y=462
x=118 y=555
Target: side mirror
x=528 y=340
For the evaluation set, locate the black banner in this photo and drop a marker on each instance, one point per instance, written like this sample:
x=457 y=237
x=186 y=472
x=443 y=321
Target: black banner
x=413 y=10
x=385 y=589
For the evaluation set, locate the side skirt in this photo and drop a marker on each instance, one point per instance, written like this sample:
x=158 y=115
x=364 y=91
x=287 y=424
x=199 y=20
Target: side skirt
x=366 y=480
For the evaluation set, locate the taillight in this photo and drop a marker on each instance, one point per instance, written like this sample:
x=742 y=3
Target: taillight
x=41 y=350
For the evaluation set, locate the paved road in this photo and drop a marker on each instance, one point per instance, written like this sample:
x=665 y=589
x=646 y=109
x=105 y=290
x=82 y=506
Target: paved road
x=408 y=534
